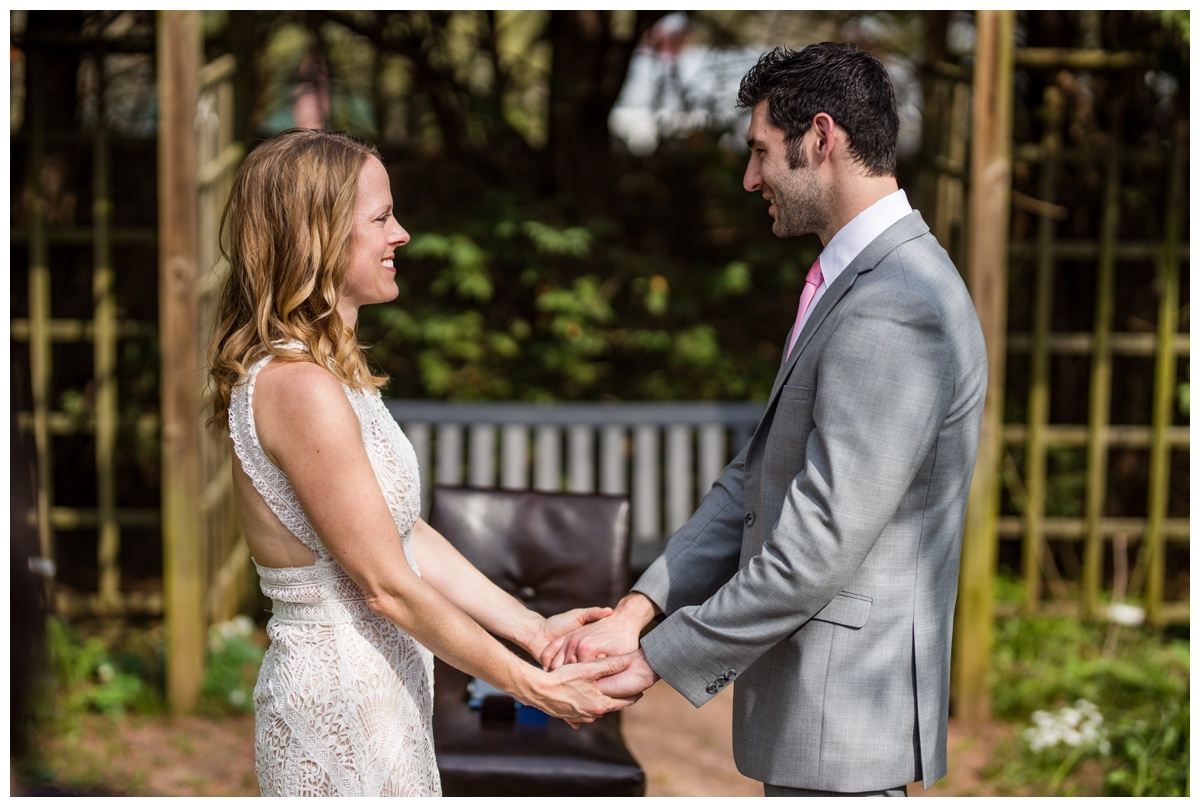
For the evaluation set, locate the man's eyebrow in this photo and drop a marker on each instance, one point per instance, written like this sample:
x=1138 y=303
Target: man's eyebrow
x=754 y=142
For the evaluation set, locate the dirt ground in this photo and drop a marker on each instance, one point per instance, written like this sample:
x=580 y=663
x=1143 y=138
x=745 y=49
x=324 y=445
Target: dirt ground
x=685 y=752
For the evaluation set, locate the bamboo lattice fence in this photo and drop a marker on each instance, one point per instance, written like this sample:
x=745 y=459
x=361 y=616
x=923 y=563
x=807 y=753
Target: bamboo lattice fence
x=61 y=329
x=1160 y=258
x=1042 y=258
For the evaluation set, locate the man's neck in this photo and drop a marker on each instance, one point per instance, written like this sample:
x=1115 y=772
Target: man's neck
x=853 y=197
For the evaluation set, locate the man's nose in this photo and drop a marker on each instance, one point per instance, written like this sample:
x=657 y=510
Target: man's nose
x=752 y=181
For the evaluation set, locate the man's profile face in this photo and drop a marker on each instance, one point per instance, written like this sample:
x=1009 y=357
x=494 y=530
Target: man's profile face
x=795 y=194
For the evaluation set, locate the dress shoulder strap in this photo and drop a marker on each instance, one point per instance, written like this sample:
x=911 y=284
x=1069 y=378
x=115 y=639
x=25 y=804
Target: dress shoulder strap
x=268 y=480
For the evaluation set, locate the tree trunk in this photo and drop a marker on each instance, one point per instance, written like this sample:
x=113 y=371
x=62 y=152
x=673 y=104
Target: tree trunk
x=589 y=66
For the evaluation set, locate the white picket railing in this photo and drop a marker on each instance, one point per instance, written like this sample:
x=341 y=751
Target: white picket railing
x=664 y=456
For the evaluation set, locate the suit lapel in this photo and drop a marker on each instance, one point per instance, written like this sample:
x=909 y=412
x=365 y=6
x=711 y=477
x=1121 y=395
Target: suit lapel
x=910 y=227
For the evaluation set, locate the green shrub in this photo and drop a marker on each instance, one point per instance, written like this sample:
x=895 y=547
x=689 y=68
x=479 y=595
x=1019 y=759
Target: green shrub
x=86 y=674
x=235 y=653
x=1104 y=708
x=1151 y=755
x=116 y=676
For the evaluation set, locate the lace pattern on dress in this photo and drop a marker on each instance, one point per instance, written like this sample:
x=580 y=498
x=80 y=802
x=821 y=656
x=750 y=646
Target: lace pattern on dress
x=344 y=699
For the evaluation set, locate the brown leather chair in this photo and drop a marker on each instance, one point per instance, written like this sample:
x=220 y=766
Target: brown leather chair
x=554 y=551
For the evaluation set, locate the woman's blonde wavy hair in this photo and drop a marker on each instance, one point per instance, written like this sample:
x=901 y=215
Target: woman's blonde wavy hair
x=286 y=234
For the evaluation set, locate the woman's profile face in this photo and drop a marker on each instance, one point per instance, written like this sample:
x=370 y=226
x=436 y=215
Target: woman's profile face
x=374 y=237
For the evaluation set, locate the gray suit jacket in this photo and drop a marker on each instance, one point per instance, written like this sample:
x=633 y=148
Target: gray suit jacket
x=821 y=570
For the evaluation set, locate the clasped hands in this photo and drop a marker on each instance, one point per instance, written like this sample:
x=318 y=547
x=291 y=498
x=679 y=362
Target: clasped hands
x=612 y=635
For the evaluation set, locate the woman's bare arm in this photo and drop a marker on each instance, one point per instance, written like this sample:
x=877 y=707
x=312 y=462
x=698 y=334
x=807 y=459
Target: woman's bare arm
x=445 y=568
x=309 y=430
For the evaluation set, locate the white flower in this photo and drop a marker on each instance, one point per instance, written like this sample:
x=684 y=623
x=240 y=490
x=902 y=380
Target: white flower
x=241 y=626
x=1125 y=614
x=220 y=633
x=1077 y=726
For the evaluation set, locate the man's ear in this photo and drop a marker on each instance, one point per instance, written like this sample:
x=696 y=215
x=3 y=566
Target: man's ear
x=825 y=134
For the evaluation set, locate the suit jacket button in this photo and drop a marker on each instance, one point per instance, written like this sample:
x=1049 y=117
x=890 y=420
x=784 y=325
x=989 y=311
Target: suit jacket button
x=731 y=674
x=750 y=519
x=713 y=689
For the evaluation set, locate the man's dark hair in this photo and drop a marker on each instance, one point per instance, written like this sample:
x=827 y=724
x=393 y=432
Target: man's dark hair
x=837 y=78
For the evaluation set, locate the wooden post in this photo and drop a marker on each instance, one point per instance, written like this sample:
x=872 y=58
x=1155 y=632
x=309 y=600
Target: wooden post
x=1100 y=394
x=179 y=61
x=40 y=354
x=1039 y=366
x=104 y=353
x=1164 y=385
x=988 y=236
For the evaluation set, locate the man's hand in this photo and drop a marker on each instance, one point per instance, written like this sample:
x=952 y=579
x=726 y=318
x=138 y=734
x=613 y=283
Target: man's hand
x=632 y=681
x=561 y=625
x=616 y=635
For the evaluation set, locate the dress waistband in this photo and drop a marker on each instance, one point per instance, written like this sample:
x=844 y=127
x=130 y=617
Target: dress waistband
x=333 y=611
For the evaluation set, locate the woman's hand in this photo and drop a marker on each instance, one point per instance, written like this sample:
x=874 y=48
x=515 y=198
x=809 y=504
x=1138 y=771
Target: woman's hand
x=573 y=693
x=563 y=624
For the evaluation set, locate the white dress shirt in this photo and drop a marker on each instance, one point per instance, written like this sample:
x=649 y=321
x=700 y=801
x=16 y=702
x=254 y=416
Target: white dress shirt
x=854 y=237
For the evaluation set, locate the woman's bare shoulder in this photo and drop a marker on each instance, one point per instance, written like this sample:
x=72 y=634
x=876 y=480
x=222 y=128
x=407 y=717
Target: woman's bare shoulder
x=300 y=391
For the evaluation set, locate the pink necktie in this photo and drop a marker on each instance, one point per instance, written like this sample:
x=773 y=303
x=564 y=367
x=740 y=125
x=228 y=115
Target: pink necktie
x=811 y=281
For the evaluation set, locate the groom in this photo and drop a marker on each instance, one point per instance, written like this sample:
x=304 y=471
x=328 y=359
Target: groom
x=820 y=572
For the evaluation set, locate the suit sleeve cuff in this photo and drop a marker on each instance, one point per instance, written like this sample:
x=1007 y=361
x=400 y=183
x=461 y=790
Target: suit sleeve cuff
x=671 y=658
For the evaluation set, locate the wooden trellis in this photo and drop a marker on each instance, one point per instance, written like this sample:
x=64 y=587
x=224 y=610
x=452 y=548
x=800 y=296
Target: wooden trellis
x=944 y=185
x=46 y=330
x=1096 y=529
x=207 y=575
x=970 y=156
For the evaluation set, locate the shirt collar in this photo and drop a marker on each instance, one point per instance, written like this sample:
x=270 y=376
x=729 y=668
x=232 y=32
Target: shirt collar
x=860 y=231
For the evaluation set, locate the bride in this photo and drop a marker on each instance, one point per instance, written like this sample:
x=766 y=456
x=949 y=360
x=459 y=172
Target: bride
x=363 y=591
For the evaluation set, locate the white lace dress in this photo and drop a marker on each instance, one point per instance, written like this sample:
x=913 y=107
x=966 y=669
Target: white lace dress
x=344 y=700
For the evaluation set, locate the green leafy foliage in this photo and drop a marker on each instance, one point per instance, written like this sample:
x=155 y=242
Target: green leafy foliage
x=1154 y=751
x=1180 y=19
x=116 y=674
x=1048 y=674
x=235 y=652
x=87 y=674
x=517 y=299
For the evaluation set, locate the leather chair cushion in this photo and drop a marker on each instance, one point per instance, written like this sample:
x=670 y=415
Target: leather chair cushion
x=553 y=551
